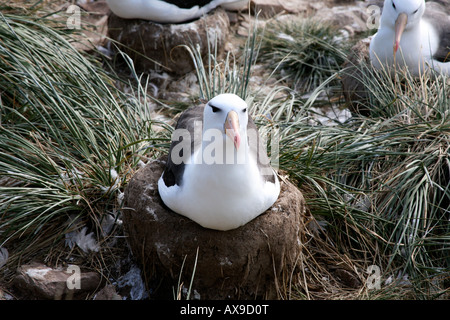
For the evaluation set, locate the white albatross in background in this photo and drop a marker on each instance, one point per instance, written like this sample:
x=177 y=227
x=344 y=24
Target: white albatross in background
x=218 y=173
x=413 y=36
x=170 y=11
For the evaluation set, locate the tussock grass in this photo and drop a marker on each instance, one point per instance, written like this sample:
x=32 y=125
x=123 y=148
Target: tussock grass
x=304 y=51
x=68 y=138
x=231 y=75
x=382 y=182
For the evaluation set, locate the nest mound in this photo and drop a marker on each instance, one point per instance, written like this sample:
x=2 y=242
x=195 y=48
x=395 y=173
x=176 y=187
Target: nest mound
x=253 y=261
x=155 y=46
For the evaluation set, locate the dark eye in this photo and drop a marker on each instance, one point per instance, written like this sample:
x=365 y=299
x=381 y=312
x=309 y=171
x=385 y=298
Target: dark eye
x=393 y=5
x=244 y=110
x=214 y=109
x=415 y=11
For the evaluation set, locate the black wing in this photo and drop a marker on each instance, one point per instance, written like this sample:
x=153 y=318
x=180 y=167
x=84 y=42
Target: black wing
x=436 y=15
x=173 y=173
x=260 y=149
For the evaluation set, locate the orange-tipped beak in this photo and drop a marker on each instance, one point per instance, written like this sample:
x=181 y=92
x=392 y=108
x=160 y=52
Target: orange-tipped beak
x=231 y=127
x=400 y=25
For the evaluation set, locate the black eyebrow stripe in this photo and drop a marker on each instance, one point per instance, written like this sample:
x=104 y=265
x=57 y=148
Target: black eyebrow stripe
x=214 y=107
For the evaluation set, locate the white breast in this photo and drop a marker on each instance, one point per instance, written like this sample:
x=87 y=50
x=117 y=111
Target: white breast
x=220 y=197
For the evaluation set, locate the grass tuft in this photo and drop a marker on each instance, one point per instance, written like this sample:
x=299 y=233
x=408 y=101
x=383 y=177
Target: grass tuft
x=305 y=51
x=68 y=138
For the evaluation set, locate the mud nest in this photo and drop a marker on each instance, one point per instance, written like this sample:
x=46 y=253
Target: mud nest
x=257 y=260
x=159 y=47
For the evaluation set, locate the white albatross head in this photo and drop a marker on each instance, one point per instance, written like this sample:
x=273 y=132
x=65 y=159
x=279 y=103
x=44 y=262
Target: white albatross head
x=228 y=113
x=401 y=15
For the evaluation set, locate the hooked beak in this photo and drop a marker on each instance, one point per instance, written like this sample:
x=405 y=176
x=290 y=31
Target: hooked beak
x=400 y=25
x=231 y=127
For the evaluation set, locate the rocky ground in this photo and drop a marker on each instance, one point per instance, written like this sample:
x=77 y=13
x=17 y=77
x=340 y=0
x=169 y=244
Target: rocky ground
x=41 y=279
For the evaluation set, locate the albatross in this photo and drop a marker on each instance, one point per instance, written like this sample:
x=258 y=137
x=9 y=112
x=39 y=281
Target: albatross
x=412 y=35
x=218 y=173
x=169 y=11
